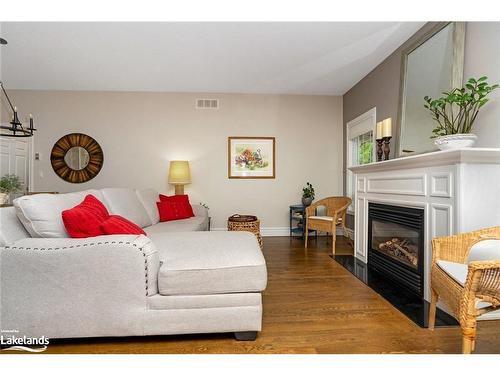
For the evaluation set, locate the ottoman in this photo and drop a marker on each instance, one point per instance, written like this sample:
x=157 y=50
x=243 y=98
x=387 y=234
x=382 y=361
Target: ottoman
x=209 y=263
x=208 y=282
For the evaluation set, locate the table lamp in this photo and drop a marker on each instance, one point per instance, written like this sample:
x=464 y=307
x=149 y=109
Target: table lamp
x=179 y=175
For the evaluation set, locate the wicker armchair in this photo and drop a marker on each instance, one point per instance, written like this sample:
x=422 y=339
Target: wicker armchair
x=336 y=208
x=480 y=291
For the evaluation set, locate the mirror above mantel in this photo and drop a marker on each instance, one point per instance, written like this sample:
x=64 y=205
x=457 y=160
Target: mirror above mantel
x=430 y=66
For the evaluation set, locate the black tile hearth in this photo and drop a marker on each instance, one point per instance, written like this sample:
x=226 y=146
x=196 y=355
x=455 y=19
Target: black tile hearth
x=414 y=307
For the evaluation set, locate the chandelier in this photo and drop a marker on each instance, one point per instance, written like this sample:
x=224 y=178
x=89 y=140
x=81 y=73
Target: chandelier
x=16 y=128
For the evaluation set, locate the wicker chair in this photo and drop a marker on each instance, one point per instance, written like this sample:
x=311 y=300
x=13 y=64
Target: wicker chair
x=480 y=291
x=336 y=208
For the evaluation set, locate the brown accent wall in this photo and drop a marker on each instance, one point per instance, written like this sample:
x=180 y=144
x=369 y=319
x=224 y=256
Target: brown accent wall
x=380 y=89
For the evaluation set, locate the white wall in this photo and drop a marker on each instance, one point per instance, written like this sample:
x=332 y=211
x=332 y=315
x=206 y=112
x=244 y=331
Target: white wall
x=1 y=47
x=140 y=132
x=2 y=99
x=482 y=57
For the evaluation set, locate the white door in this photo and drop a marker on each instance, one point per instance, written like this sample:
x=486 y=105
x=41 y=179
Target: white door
x=15 y=158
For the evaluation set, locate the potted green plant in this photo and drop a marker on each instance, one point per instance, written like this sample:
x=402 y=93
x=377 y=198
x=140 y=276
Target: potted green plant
x=456 y=111
x=8 y=184
x=307 y=194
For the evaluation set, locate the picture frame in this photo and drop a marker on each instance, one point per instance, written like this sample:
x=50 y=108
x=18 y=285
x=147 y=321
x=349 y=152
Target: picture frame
x=251 y=157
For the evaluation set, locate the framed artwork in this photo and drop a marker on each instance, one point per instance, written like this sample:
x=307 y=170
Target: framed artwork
x=251 y=157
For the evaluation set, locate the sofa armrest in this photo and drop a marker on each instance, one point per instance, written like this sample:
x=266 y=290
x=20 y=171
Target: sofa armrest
x=199 y=210
x=85 y=287
x=105 y=248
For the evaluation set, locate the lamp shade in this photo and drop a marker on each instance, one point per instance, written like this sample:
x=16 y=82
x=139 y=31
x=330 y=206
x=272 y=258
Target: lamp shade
x=179 y=172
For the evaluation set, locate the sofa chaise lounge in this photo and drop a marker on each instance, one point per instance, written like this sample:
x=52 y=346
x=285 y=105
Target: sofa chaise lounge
x=178 y=279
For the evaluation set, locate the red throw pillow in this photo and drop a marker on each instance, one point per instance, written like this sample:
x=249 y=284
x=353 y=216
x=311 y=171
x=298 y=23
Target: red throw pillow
x=84 y=219
x=116 y=224
x=177 y=203
x=176 y=198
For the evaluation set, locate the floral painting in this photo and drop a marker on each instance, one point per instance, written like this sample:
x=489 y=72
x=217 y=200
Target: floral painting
x=250 y=157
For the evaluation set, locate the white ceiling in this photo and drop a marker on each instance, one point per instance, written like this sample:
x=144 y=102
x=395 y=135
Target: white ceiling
x=286 y=58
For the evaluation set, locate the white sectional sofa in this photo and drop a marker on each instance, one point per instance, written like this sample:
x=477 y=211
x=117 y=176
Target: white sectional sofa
x=178 y=279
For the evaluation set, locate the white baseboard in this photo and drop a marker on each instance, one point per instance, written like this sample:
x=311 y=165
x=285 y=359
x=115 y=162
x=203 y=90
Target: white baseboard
x=266 y=232
x=494 y=315
x=275 y=232
x=281 y=231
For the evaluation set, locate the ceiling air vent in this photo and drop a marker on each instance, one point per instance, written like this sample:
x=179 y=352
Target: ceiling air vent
x=207 y=103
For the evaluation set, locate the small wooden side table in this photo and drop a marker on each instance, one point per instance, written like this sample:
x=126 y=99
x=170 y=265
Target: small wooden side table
x=245 y=223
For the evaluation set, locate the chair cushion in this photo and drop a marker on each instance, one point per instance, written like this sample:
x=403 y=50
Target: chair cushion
x=209 y=263
x=148 y=198
x=327 y=218
x=457 y=271
x=41 y=213
x=116 y=224
x=126 y=203
x=84 y=220
x=484 y=250
x=195 y=223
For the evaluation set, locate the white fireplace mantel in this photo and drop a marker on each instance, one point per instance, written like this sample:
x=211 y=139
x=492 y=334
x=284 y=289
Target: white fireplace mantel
x=449 y=157
x=459 y=191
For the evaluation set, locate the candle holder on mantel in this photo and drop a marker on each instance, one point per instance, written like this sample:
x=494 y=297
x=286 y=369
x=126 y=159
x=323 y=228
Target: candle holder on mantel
x=379 y=149
x=387 y=148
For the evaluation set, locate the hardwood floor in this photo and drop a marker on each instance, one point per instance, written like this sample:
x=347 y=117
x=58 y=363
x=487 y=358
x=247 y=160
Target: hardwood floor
x=311 y=305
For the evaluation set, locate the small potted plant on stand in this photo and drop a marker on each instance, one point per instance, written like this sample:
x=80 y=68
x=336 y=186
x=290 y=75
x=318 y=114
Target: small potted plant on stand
x=8 y=184
x=456 y=111
x=307 y=195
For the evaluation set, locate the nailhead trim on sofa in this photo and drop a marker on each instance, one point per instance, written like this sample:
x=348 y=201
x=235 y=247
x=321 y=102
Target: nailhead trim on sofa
x=92 y=244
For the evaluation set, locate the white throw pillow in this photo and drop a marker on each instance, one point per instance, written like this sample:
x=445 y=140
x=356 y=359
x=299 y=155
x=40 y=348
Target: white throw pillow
x=484 y=250
x=41 y=213
x=148 y=198
x=126 y=203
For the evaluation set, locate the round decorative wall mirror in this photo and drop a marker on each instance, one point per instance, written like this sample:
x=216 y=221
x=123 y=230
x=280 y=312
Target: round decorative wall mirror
x=76 y=158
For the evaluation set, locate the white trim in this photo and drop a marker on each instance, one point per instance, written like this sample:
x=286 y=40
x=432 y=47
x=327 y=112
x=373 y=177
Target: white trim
x=350 y=134
x=372 y=113
x=417 y=177
x=350 y=233
x=277 y=231
x=432 y=159
x=448 y=192
x=265 y=232
x=494 y=315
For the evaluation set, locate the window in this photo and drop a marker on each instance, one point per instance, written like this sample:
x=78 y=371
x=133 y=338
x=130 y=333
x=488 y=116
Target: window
x=360 y=149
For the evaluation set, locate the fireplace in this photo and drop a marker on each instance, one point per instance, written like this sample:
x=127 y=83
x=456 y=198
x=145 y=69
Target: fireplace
x=396 y=244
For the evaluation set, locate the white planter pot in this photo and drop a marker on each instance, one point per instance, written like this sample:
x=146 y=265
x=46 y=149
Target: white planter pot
x=454 y=141
x=4 y=198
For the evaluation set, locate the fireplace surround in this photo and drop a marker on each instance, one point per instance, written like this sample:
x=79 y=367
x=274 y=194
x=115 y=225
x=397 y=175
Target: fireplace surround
x=396 y=244
x=456 y=189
